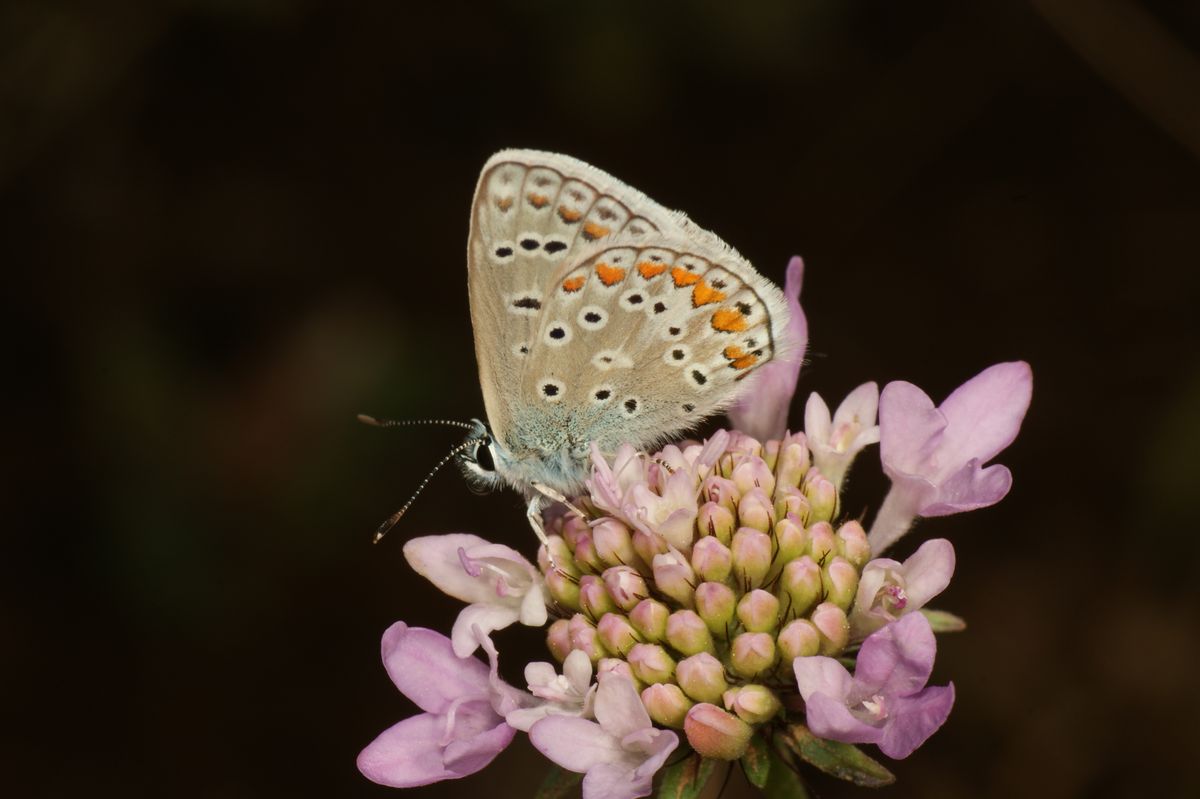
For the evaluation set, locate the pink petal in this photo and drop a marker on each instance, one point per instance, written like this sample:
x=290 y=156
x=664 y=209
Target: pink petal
x=914 y=718
x=829 y=718
x=970 y=488
x=575 y=744
x=763 y=411
x=927 y=572
x=470 y=754
x=618 y=707
x=818 y=426
x=436 y=558
x=861 y=405
x=424 y=667
x=407 y=754
x=985 y=412
x=896 y=660
x=822 y=675
x=484 y=617
x=614 y=781
x=909 y=429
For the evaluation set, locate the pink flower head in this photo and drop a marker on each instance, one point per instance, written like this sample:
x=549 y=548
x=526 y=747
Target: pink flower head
x=763 y=411
x=568 y=694
x=619 y=752
x=461 y=730
x=888 y=589
x=501 y=585
x=886 y=702
x=935 y=456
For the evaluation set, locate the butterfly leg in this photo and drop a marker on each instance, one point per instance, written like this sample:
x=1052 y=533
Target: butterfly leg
x=549 y=493
x=533 y=512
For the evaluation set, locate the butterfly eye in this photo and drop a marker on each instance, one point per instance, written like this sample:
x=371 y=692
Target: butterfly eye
x=483 y=457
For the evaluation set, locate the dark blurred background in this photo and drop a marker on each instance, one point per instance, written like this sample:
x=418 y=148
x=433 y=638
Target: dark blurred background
x=229 y=225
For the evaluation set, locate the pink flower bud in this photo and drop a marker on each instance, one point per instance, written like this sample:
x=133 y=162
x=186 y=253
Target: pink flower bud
x=852 y=544
x=711 y=559
x=715 y=603
x=617 y=666
x=558 y=639
x=758 y=611
x=792 y=464
x=751 y=556
x=647 y=545
x=756 y=510
x=651 y=663
x=791 y=541
x=584 y=638
x=714 y=733
x=572 y=528
x=674 y=576
x=612 y=542
x=585 y=553
x=593 y=596
x=799 y=586
x=840 y=580
x=702 y=677
x=563 y=589
x=715 y=521
x=666 y=704
x=616 y=633
x=753 y=704
x=799 y=638
x=687 y=633
x=822 y=495
x=753 y=654
x=831 y=623
x=822 y=543
x=625 y=586
x=720 y=490
x=753 y=473
x=563 y=559
x=790 y=502
x=649 y=618
x=771 y=454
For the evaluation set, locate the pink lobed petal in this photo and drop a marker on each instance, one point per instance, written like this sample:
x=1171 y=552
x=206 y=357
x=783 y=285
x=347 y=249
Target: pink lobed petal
x=985 y=413
x=483 y=617
x=914 y=718
x=576 y=744
x=822 y=675
x=471 y=753
x=830 y=718
x=407 y=754
x=436 y=558
x=422 y=664
x=618 y=707
x=910 y=428
x=970 y=488
x=927 y=572
x=615 y=781
x=896 y=660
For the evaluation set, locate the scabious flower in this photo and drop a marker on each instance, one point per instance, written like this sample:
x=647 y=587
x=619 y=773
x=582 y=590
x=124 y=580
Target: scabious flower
x=568 y=694
x=886 y=702
x=889 y=589
x=935 y=456
x=501 y=585
x=461 y=730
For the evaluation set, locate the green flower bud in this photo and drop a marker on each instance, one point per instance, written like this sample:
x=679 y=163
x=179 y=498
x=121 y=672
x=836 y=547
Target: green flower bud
x=852 y=544
x=753 y=704
x=585 y=554
x=721 y=491
x=687 y=633
x=711 y=560
x=831 y=623
x=798 y=638
x=791 y=541
x=753 y=654
x=666 y=704
x=647 y=545
x=625 y=586
x=822 y=543
x=714 y=733
x=751 y=557
x=716 y=521
x=753 y=473
x=585 y=639
x=593 y=596
x=558 y=639
x=822 y=495
x=790 y=502
x=563 y=589
x=674 y=576
x=573 y=528
x=758 y=611
x=702 y=677
x=840 y=580
x=793 y=463
x=651 y=663
x=715 y=603
x=616 y=633
x=649 y=618
x=756 y=510
x=563 y=559
x=612 y=542
x=799 y=586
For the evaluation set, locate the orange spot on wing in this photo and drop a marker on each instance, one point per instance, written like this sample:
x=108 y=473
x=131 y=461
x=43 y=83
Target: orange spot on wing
x=610 y=275
x=733 y=352
x=727 y=321
x=745 y=362
x=592 y=231
x=504 y=203
x=649 y=269
x=538 y=200
x=569 y=215
x=683 y=277
x=703 y=294
x=574 y=284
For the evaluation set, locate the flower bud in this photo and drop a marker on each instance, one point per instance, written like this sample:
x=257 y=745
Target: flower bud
x=714 y=733
x=751 y=556
x=666 y=704
x=799 y=638
x=753 y=704
x=753 y=653
x=585 y=639
x=711 y=559
x=715 y=603
x=822 y=543
x=758 y=611
x=618 y=666
x=612 y=542
x=558 y=639
x=756 y=510
x=574 y=527
x=585 y=553
x=753 y=473
x=651 y=663
x=616 y=633
x=563 y=559
x=563 y=589
x=840 y=580
x=687 y=633
x=852 y=544
x=790 y=502
x=674 y=576
x=702 y=677
x=831 y=623
x=721 y=491
x=770 y=454
x=716 y=521
x=791 y=541
x=649 y=618
x=593 y=596
x=625 y=586
x=647 y=545
x=792 y=464
x=822 y=495
x=799 y=586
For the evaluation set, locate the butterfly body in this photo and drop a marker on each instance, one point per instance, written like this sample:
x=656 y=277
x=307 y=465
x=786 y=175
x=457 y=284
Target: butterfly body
x=600 y=317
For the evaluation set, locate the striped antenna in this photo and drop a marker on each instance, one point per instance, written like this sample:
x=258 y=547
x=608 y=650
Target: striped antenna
x=374 y=422
x=395 y=517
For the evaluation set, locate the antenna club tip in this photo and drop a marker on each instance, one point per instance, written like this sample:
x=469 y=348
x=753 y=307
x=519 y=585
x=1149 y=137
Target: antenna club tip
x=365 y=419
x=375 y=539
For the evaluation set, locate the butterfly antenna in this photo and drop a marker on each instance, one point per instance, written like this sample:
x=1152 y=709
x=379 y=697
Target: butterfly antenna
x=395 y=517
x=374 y=422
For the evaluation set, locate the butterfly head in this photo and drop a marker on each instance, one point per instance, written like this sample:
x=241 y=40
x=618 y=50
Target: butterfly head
x=478 y=459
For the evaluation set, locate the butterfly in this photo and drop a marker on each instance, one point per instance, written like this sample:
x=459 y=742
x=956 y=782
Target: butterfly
x=600 y=317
